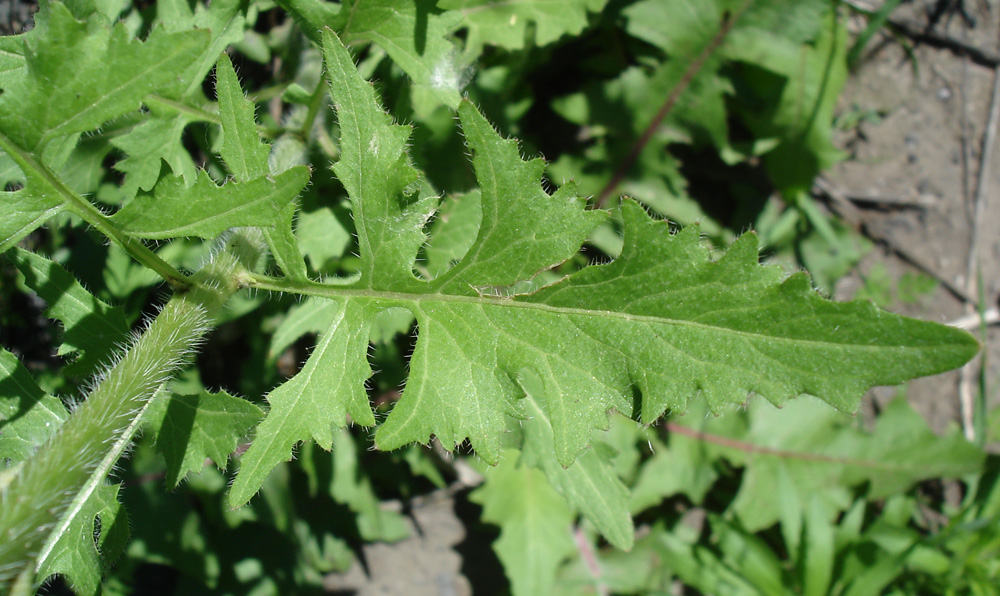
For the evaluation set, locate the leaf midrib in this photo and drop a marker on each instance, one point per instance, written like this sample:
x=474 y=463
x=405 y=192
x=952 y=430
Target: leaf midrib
x=326 y=290
x=100 y=101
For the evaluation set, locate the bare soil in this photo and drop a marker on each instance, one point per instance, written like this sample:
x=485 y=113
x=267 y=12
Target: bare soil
x=927 y=152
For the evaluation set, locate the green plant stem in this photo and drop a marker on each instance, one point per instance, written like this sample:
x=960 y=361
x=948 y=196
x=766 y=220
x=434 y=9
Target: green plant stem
x=90 y=214
x=753 y=449
x=315 y=103
x=41 y=501
x=196 y=114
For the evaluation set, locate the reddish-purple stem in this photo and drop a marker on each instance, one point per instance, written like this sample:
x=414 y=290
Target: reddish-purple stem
x=728 y=20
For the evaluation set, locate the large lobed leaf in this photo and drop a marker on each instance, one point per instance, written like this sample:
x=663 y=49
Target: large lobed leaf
x=663 y=322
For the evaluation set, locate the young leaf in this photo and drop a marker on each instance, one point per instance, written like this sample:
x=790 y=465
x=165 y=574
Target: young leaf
x=242 y=148
x=90 y=326
x=191 y=428
x=535 y=525
x=246 y=155
x=205 y=209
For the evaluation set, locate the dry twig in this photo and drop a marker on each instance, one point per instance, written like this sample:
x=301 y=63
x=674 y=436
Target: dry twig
x=966 y=386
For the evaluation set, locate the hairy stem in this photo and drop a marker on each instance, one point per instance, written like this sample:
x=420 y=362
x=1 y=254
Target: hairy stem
x=40 y=502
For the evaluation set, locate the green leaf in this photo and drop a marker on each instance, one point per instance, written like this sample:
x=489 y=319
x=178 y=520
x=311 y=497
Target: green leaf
x=80 y=75
x=191 y=428
x=590 y=486
x=749 y=555
x=28 y=416
x=181 y=102
x=800 y=111
x=242 y=148
x=322 y=237
x=12 y=62
x=684 y=467
x=900 y=433
x=820 y=550
x=313 y=315
x=415 y=34
x=282 y=241
x=147 y=146
x=77 y=553
x=375 y=170
x=312 y=15
x=246 y=155
x=90 y=326
x=663 y=320
x=225 y=20
x=506 y=250
x=205 y=209
x=453 y=232
x=535 y=525
x=506 y=24
x=618 y=112
x=22 y=211
x=314 y=402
